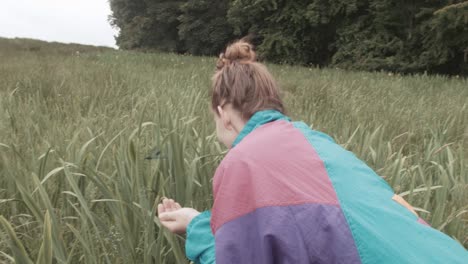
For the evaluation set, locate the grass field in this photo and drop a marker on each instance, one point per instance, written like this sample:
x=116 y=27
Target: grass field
x=76 y=124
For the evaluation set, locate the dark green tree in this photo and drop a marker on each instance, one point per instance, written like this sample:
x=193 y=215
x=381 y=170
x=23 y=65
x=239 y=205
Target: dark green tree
x=445 y=44
x=394 y=35
x=299 y=32
x=129 y=17
x=203 y=26
x=147 y=24
x=404 y=36
x=162 y=30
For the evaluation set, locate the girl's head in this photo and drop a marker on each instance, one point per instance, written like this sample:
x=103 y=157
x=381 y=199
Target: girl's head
x=241 y=86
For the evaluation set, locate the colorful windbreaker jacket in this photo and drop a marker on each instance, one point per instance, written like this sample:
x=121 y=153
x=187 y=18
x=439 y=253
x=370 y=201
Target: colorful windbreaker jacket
x=288 y=194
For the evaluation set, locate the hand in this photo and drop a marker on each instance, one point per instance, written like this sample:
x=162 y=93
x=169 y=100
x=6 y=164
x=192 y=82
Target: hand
x=174 y=217
x=397 y=198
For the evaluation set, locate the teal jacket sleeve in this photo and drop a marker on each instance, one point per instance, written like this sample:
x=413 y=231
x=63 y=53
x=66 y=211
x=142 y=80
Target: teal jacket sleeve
x=200 y=242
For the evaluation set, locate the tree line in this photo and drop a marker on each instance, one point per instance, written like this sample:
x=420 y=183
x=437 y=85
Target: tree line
x=405 y=36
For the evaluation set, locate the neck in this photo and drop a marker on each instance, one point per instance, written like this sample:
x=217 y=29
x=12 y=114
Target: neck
x=238 y=123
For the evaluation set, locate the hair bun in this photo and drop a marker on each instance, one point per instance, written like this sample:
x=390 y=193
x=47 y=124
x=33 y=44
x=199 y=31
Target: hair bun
x=239 y=51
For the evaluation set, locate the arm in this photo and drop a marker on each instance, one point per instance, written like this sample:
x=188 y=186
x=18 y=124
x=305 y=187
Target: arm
x=200 y=243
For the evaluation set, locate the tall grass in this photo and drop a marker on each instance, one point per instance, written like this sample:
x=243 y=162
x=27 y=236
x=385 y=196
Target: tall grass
x=75 y=129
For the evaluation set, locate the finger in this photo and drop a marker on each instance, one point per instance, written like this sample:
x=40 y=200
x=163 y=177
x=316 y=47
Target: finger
x=177 y=206
x=166 y=204
x=403 y=202
x=172 y=205
x=160 y=209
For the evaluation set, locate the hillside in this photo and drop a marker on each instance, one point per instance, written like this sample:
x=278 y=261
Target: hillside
x=76 y=123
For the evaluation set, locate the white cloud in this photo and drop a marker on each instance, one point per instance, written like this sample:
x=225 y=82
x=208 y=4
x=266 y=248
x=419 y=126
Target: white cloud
x=78 y=21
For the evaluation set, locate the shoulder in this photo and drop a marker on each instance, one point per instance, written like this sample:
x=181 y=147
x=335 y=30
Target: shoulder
x=236 y=160
x=310 y=134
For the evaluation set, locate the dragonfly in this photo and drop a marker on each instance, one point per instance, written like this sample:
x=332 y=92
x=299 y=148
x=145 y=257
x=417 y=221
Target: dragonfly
x=155 y=153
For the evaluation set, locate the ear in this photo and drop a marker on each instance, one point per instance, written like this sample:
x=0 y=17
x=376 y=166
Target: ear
x=225 y=118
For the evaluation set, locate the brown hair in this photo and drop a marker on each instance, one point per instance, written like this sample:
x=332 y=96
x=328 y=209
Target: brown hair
x=243 y=82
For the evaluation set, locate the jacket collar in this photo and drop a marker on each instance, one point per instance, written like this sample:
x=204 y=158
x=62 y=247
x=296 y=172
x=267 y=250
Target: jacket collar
x=258 y=119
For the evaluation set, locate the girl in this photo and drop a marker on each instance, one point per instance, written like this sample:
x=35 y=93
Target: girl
x=288 y=194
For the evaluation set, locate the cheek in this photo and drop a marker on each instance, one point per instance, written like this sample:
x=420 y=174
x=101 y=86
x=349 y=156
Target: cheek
x=219 y=129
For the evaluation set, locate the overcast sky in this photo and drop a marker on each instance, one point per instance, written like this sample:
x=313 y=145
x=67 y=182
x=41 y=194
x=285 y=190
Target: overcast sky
x=77 y=21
